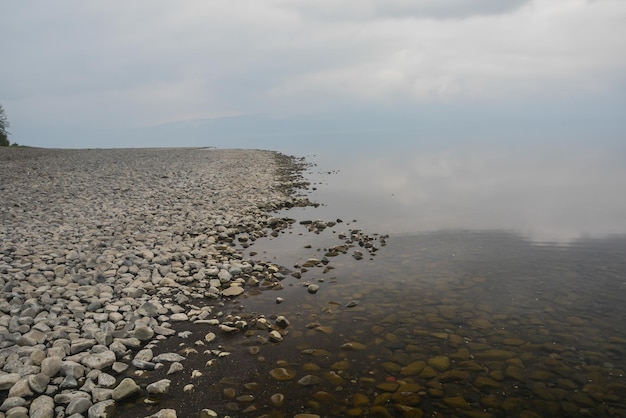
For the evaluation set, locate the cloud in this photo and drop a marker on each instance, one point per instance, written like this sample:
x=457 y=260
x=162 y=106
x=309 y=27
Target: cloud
x=143 y=63
x=551 y=47
x=403 y=9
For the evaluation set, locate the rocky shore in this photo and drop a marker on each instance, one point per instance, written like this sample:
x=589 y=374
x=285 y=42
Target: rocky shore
x=103 y=251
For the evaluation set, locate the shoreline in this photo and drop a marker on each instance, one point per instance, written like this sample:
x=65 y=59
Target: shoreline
x=105 y=251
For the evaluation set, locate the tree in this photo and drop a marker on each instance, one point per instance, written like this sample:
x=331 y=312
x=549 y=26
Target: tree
x=4 y=124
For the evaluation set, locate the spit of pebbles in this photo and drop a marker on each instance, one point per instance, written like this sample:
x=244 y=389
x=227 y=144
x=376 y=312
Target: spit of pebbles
x=102 y=251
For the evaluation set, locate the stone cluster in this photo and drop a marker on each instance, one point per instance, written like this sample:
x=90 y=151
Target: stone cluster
x=102 y=251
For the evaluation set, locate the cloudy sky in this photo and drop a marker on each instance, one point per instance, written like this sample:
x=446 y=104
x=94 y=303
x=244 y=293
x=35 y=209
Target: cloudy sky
x=274 y=73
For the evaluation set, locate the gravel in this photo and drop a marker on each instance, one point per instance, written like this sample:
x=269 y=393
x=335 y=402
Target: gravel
x=102 y=250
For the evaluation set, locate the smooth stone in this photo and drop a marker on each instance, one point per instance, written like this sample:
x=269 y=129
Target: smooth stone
x=160 y=330
x=494 y=355
x=513 y=341
x=277 y=400
x=37 y=356
x=119 y=367
x=125 y=389
x=340 y=365
x=275 y=336
x=227 y=329
x=324 y=396
x=143 y=365
x=69 y=382
x=387 y=386
x=224 y=276
x=38 y=382
x=101 y=394
x=179 y=317
x=159 y=387
x=408 y=411
x=245 y=398
x=485 y=382
x=99 y=361
x=164 y=413
x=439 y=362
x=148 y=309
x=12 y=402
x=81 y=344
x=21 y=388
x=353 y=346
x=7 y=380
x=105 y=380
x=334 y=378
x=169 y=357
x=143 y=333
x=282 y=322
x=406 y=398
x=454 y=375
x=516 y=373
x=50 y=366
x=480 y=323
x=282 y=374
x=144 y=355
x=104 y=409
x=412 y=369
x=456 y=402
x=78 y=406
x=233 y=291
x=312 y=288
x=42 y=407
x=309 y=380
x=71 y=368
x=360 y=400
x=17 y=412
x=175 y=367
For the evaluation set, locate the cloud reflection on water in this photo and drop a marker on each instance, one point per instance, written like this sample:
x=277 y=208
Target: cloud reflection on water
x=548 y=194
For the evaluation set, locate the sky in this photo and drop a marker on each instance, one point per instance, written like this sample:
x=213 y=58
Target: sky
x=297 y=75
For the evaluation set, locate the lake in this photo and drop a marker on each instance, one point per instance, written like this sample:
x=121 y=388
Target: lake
x=452 y=281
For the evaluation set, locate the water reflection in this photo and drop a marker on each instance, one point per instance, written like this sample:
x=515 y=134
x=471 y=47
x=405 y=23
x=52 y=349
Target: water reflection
x=551 y=193
x=456 y=323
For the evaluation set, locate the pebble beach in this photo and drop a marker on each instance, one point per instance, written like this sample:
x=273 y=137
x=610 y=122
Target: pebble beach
x=103 y=252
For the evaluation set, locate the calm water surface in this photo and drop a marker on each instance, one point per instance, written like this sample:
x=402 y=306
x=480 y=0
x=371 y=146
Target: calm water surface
x=500 y=292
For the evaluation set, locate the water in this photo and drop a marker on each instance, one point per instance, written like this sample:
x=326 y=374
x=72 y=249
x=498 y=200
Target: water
x=500 y=291
x=551 y=193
